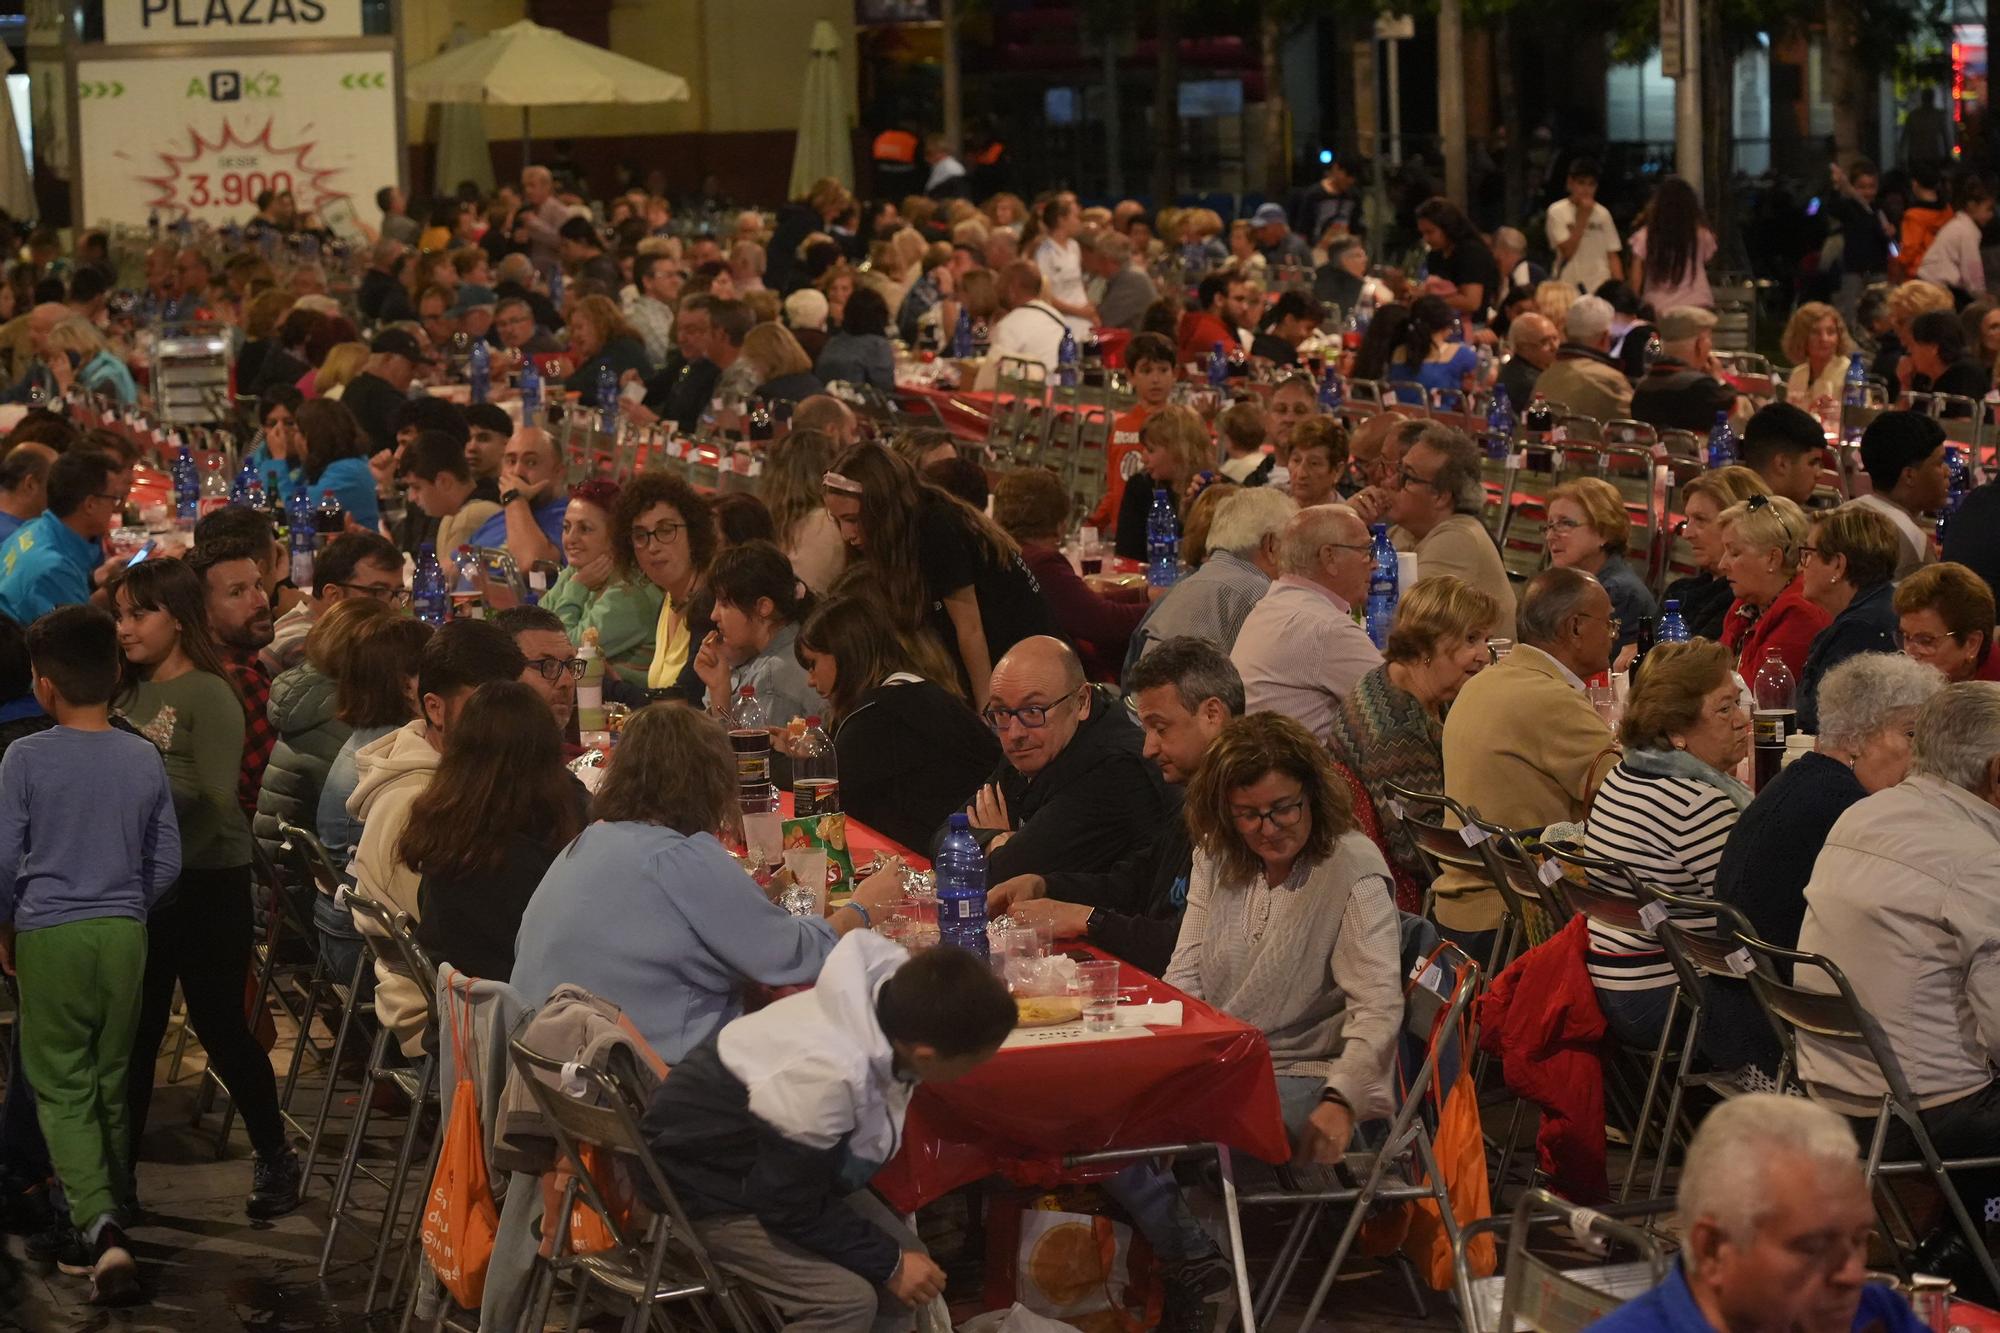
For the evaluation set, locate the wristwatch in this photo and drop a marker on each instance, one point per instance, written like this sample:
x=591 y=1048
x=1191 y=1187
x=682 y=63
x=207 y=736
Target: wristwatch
x=508 y=497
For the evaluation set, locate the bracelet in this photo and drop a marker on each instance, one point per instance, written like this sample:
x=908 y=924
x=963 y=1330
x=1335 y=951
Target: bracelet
x=867 y=921
x=1329 y=1095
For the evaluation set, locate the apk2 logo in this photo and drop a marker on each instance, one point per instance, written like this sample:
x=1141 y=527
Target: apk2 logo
x=230 y=85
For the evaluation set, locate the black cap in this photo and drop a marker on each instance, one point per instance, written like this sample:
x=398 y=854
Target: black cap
x=399 y=342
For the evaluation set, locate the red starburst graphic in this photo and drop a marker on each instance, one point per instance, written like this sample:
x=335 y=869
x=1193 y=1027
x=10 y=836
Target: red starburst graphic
x=219 y=173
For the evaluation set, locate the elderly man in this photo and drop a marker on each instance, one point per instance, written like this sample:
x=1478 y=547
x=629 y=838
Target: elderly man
x=1533 y=340
x=515 y=279
x=1522 y=744
x=1775 y=1224
x=824 y=412
x=1073 y=790
x=1211 y=603
x=1684 y=389
x=538 y=222
x=1128 y=290
x=515 y=329
x=1584 y=378
x=1510 y=255
x=1183 y=694
x=1276 y=240
x=1905 y=899
x=1435 y=506
x=30 y=364
x=1300 y=650
x=532 y=503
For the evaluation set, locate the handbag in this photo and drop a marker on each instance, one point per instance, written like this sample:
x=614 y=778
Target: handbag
x=460 y=1220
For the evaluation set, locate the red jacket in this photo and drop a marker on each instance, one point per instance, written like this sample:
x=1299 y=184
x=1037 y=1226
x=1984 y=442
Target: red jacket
x=1789 y=624
x=1540 y=1016
x=1199 y=333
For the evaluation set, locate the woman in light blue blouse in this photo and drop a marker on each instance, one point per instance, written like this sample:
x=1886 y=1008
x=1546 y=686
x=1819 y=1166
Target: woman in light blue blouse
x=337 y=459
x=759 y=603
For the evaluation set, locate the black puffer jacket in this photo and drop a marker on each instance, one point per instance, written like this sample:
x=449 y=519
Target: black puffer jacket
x=309 y=736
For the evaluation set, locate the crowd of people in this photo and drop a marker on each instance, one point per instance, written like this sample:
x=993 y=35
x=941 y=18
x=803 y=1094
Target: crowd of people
x=1195 y=776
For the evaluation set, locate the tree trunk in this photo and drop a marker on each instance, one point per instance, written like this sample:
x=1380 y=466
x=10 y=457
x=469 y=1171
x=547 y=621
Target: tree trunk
x=1718 y=148
x=1847 y=82
x=1277 y=126
x=1166 y=101
x=1507 y=89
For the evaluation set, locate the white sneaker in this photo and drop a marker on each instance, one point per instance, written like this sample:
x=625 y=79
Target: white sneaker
x=114 y=1278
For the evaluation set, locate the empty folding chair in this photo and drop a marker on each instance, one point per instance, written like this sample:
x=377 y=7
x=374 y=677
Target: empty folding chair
x=1442 y=845
x=1833 y=1017
x=1533 y=1293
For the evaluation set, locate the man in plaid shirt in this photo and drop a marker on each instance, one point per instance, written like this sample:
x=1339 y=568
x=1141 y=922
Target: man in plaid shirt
x=231 y=568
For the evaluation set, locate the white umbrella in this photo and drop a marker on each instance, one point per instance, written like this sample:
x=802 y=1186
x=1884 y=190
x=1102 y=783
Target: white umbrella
x=824 y=146
x=527 y=65
x=462 y=154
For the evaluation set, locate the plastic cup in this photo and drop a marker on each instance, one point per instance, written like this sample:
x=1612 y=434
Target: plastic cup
x=808 y=867
x=1097 y=983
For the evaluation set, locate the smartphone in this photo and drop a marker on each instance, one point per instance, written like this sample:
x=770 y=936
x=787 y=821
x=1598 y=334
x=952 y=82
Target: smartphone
x=139 y=555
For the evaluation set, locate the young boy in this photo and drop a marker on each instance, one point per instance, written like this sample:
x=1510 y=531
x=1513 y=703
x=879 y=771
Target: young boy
x=1149 y=364
x=1243 y=428
x=771 y=1129
x=88 y=843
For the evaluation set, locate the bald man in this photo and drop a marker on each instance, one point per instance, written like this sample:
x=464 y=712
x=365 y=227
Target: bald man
x=24 y=490
x=1300 y=650
x=1073 y=790
x=532 y=502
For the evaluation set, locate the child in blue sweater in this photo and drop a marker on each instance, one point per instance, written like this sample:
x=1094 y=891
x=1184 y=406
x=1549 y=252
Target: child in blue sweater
x=88 y=843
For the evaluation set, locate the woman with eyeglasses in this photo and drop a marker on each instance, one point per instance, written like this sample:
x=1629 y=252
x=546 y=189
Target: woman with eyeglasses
x=1665 y=811
x=597 y=591
x=664 y=529
x=1848 y=571
x=175 y=690
x=1763 y=542
x=943 y=566
x=759 y=603
x=1944 y=615
x=1587 y=530
x=1704 y=595
x=908 y=747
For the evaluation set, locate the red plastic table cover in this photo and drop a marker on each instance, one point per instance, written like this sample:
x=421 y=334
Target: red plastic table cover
x=967 y=413
x=1207 y=1081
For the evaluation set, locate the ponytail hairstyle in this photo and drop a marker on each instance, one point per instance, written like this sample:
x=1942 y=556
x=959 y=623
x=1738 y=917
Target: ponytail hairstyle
x=744 y=575
x=1427 y=316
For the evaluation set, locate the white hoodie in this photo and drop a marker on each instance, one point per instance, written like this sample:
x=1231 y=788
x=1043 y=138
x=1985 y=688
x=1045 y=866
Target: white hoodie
x=391 y=773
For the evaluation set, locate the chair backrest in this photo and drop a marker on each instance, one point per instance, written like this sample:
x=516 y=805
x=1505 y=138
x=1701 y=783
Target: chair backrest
x=1699 y=953
x=398 y=941
x=1549 y=1299
x=1438 y=844
x=1609 y=893
x=1519 y=873
x=1833 y=1016
x=309 y=858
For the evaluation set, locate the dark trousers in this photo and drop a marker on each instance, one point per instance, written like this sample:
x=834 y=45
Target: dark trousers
x=24 y=1154
x=201 y=938
x=1968 y=1127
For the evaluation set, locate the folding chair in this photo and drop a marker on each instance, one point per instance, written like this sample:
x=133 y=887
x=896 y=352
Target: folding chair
x=586 y=1108
x=1442 y=846
x=1834 y=1017
x=1611 y=896
x=392 y=939
x=1434 y=1004
x=1539 y=1295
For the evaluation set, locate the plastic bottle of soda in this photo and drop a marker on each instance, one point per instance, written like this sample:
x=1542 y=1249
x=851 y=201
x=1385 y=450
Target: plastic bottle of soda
x=815 y=773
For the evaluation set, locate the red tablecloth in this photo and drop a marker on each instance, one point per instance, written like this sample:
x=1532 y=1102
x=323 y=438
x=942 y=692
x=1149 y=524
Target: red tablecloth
x=966 y=412
x=1209 y=1080
x=863 y=842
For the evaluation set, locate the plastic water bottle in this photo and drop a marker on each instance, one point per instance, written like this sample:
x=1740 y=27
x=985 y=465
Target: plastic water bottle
x=1218 y=366
x=815 y=773
x=960 y=868
x=187 y=490
x=1855 y=394
x=214 y=486
x=1383 y=592
x=1955 y=489
x=246 y=477
x=427 y=594
x=464 y=593
x=1672 y=628
x=330 y=518
x=556 y=287
x=1331 y=394
x=1721 y=442
x=1499 y=424
x=607 y=397
x=531 y=391
x=479 y=370
x=763 y=821
x=1163 y=541
x=302 y=534
x=961 y=337
x=1776 y=715
x=1067 y=360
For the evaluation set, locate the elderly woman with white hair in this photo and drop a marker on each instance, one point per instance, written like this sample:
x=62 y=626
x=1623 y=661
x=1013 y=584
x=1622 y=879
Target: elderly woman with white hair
x=1775 y=1224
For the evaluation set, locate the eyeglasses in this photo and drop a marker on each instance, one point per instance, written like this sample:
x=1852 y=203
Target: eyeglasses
x=1612 y=621
x=1032 y=716
x=1562 y=525
x=1404 y=477
x=553 y=669
x=666 y=532
x=112 y=496
x=381 y=592
x=1283 y=815
x=1927 y=643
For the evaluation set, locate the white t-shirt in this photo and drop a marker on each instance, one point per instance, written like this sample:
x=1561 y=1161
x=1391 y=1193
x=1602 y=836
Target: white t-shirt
x=1032 y=332
x=1062 y=265
x=1590 y=267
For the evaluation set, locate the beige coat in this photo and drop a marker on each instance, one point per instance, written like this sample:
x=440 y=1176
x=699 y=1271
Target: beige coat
x=1522 y=748
x=1461 y=547
x=1586 y=386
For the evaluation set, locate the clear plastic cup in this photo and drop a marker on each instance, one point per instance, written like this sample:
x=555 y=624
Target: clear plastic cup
x=1097 y=983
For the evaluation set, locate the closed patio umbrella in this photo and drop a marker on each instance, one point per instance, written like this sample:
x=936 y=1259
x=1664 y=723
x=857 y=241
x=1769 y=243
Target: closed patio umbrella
x=824 y=147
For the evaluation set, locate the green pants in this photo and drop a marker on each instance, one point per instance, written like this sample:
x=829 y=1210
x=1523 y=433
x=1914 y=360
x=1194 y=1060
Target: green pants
x=79 y=1008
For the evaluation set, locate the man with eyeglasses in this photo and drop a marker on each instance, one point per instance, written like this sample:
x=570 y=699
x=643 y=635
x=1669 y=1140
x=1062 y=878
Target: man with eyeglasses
x=1522 y=744
x=1073 y=790
x=354 y=564
x=1533 y=340
x=1435 y=504
x=1301 y=652
x=49 y=560
x=553 y=668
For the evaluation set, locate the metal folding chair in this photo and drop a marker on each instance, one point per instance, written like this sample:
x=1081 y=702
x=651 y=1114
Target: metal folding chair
x=1834 y=1017
x=1434 y=1003
x=1442 y=846
x=1532 y=1292
x=659 y=1262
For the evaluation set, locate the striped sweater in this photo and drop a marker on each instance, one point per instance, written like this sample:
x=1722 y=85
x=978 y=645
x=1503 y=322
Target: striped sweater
x=1671 y=832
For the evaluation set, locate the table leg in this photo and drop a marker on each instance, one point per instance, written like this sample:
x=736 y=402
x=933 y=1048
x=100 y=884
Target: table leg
x=1226 y=1173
